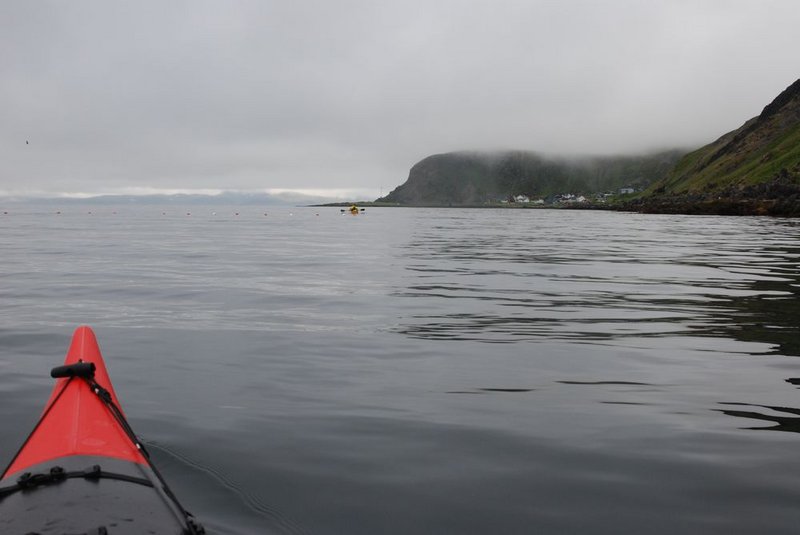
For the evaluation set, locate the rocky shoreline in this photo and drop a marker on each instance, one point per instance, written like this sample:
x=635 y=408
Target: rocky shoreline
x=779 y=197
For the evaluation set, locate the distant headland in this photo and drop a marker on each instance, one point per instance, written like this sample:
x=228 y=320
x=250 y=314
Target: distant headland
x=754 y=170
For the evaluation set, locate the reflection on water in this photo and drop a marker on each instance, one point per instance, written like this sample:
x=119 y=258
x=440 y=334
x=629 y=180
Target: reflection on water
x=604 y=383
x=783 y=423
x=485 y=390
x=532 y=278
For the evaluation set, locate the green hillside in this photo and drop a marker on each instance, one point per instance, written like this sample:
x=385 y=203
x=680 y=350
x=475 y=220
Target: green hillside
x=765 y=149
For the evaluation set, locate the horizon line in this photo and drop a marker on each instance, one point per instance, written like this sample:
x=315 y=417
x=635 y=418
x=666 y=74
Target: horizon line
x=311 y=193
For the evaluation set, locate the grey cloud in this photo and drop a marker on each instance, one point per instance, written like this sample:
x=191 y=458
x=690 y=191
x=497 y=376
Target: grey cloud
x=350 y=94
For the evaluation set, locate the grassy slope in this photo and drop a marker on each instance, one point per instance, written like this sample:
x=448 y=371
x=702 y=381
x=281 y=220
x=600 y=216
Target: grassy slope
x=752 y=154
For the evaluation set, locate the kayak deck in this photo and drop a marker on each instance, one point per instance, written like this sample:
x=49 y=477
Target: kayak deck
x=102 y=493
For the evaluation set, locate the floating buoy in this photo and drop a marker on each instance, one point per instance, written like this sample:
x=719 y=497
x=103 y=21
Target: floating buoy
x=213 y=213
x=265 y=214
x=237 y=214
x=188 y=213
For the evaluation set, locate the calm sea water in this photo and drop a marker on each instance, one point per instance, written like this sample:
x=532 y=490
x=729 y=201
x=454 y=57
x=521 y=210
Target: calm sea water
x=428 y=371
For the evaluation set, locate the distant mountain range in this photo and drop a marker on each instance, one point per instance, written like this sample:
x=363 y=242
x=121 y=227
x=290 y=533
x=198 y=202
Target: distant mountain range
x=233 y=198
x=752 y=170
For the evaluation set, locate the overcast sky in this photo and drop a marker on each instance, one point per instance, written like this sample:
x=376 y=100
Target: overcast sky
x=348 y=95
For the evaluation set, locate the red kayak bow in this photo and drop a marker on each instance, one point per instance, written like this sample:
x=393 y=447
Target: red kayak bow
x=75 y=420
x=82 y=469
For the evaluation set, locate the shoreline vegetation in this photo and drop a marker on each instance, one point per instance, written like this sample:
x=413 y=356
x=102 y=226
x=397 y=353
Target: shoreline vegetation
x=779 y=197
x=776 y=199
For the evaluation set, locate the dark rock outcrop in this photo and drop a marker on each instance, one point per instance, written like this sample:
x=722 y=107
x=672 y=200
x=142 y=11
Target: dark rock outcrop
x=778 y=197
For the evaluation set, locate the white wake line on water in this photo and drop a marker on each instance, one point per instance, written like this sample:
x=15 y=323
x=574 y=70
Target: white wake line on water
x=250 y=499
